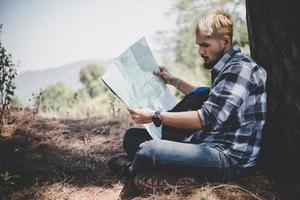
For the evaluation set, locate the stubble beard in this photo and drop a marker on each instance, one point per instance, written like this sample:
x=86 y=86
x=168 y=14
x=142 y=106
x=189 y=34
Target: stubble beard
x=210 y=65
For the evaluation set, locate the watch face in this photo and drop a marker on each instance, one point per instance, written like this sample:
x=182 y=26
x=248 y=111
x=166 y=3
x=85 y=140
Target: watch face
x=156 y=119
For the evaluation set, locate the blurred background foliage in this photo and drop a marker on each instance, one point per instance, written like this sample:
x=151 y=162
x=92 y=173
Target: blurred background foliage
x=178 y=53
x=92 y=99
x=90 y=76
x=57 y=97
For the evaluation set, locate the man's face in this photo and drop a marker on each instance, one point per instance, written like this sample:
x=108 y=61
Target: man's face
x=210 y=49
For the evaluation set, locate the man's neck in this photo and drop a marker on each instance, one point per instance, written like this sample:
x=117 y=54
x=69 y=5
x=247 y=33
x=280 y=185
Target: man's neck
x=227 y=48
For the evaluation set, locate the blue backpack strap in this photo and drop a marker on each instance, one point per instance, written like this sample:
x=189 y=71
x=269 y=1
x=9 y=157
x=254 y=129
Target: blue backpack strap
x=199 y=90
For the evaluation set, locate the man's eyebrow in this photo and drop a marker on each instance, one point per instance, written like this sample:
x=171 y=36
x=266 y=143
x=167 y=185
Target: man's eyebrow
x=202 y=43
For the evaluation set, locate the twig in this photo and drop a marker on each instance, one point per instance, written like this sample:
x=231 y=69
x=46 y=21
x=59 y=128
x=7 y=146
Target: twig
x=234 y=186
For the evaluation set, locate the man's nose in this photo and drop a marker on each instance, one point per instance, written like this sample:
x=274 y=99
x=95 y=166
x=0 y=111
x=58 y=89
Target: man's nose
x=200 y=51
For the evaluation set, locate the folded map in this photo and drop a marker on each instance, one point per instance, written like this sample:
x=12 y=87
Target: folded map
x=130 y=77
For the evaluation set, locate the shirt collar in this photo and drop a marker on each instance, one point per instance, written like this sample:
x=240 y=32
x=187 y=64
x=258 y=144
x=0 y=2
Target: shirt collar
x=225 y=58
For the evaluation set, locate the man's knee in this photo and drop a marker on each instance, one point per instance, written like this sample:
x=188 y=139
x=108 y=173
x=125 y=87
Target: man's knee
x=133 y=138
x=148 y=149
x=145 y=157
x=128 y=134
x=128 y=137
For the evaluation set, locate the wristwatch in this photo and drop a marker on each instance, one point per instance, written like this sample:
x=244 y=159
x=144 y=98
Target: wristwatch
x=156 y=119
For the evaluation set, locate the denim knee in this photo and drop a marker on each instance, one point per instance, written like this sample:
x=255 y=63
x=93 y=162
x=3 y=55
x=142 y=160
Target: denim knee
x=145 y=157
x=148 y=148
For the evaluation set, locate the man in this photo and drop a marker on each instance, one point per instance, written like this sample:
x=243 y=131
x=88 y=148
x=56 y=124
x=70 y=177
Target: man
x=229 y=123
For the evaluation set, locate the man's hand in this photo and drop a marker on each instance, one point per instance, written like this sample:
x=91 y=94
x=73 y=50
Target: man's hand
x=180 y=84
x=141 y=115
x=166 y=75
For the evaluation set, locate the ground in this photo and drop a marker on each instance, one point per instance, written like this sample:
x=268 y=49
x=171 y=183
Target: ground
x=54 y=158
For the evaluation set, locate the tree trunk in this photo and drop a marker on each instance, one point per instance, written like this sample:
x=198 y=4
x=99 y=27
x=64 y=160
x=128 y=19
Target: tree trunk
x=274 y=36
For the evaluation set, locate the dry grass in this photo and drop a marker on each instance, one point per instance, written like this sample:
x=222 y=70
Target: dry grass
x=67 y=191
x=61 y=159
x=220 y=191
x=64 y=190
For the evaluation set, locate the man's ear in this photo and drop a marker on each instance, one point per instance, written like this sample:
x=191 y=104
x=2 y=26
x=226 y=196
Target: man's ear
x=226 y=40
x=223 y=43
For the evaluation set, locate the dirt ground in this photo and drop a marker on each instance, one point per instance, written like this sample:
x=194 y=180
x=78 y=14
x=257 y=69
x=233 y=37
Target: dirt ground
x=64 y=159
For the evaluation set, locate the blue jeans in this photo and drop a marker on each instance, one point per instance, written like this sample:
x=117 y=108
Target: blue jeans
x=181 y=158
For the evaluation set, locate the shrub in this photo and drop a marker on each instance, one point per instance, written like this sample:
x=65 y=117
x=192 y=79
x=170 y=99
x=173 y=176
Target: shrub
x=56 y=98
x=89 y=76
x=8 y=73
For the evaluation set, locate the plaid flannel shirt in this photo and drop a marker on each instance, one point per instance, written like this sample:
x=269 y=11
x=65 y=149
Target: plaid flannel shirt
x=235 y=112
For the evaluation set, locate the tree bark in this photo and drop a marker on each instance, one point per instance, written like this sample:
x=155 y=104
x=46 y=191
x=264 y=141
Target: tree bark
x=275 y=44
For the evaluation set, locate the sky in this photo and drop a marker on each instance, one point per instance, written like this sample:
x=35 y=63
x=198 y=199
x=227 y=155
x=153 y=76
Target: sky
x=44 y=34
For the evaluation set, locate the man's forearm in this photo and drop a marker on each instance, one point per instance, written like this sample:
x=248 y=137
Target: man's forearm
x=183 y=86
x=185 y=120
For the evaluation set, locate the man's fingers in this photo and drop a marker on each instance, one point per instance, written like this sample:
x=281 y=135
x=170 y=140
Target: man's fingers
x=131 y=110
x=158 y=73
x=134 y=117
x=162 y=72
x=161 y=69
x=137 y=120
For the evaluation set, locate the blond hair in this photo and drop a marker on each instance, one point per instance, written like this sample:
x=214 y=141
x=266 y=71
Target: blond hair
x=212 y=23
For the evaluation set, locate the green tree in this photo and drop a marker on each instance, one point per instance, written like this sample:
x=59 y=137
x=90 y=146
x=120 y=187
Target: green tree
x=90 y=78
x=56 y=98
x=81 y=95
x=16 y=102
x=8 y=72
